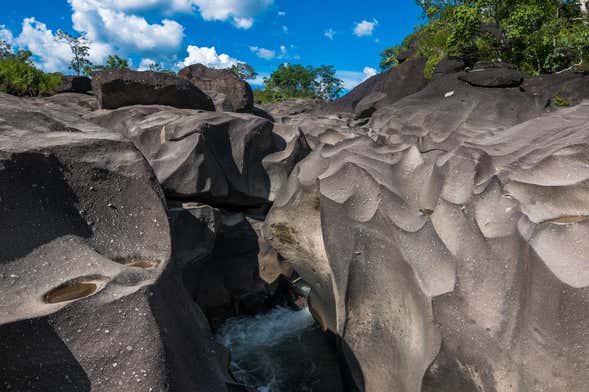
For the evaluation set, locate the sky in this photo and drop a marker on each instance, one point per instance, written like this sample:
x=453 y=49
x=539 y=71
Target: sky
x=348 y=34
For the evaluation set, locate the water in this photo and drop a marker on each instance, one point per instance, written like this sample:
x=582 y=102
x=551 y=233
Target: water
x=280 y=351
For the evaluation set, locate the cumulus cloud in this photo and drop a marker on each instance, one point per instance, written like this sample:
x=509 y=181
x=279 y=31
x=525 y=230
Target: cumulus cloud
x=145 y=64
x=263 y=53
x=52 y=55
x=105 y=22
x=330 y=33
x=208 y=57
x=241 y=12
x=353 y=78
x=365 y=28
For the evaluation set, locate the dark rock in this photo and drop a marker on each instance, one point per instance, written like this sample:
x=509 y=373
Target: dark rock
x=448 y=66
x=74 y=84
x=396 y=83
x=497 y=77
x=121 y=87
x=237 y=93
x=558 y=90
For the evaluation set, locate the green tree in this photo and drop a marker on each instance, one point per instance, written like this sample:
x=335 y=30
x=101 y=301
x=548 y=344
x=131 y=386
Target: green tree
x=292 y=81
x=538 y=36
x=328 y=86
x=243 y=71
x=155 y=67
x=80 y=50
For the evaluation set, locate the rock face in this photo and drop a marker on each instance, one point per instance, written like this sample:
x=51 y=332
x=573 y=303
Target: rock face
x=382 y=89
x=445 y=250
x=233 y=94
x=122 y=87
x=493 y=75
x=74 y=84
x=90 y=298
x=201 y=156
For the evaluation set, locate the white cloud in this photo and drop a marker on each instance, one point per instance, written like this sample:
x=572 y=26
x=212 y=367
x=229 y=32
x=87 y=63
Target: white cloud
x=52 y=55
x=259 y=80
x=284 y=29
x=263 y=53
x=243 y=23
x=330 y=33
x=6 y=35
x=241 y=12
x=208 y=57
x=365 y=28
x=353 y=78
x=281 y=13
x=105 y=22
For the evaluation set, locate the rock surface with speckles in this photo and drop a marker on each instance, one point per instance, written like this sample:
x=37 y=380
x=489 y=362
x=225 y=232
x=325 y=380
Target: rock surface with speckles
x=448 y=250
x=91 y=297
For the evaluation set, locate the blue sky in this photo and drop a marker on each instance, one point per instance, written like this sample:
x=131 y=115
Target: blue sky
x=348 y=34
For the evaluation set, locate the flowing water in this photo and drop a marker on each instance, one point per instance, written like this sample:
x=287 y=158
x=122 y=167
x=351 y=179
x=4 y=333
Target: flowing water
x=280 y=351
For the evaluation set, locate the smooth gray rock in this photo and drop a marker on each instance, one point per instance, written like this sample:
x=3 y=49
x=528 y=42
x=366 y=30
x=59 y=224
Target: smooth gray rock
x=210 y=157
x=448 y=254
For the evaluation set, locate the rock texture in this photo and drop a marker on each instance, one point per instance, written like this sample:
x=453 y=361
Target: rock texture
x=232 y=94
x=91 y=299
x=200 y=156
x=446 y=249
x=122 y=87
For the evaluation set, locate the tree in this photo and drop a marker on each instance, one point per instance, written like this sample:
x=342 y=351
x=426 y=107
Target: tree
x=538 y=36
x=80 y=50
x=329 y=87
x=155 y=67
x=243 y=71
x=297 y=81
x=5 y=50
x=113 y=62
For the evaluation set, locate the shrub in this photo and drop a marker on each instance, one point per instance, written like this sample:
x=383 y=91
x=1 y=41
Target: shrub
x=23 y=79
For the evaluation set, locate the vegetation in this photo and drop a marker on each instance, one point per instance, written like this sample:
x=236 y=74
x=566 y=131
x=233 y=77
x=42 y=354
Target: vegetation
x=538 y=36
x=243 y=71
x=112 y=62
x=297 y=81
x=80 y=51
x=18 y=75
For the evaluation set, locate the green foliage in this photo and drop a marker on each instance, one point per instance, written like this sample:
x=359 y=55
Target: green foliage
x=297 y=81
x=559 y=101
x=243 y=71
x=112 y=62
x=389 y=55
x=538 y=36
x=23 y=79
x=80 y=51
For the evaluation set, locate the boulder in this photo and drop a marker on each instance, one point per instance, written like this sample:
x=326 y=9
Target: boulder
x=74 y=84
x=398 y=82
x=237 y=95
x=90 y=297
x=210 y=157
x=558 y=90
x=122 y=87
x=292 y=107
x=448 y=66
x=494 y=75
x=446 y=252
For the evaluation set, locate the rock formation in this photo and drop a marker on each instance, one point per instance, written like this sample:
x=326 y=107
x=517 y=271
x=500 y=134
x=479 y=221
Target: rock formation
x=445 y=246
x=116 y=88
x=440 y=224
x=231 y=94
